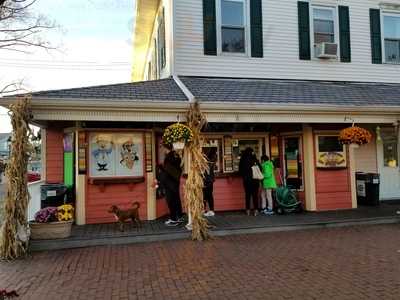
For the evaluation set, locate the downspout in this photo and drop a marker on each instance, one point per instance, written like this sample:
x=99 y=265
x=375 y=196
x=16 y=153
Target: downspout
x=184 y=89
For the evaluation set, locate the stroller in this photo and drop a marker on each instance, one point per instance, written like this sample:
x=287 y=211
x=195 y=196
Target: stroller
x=286 y=201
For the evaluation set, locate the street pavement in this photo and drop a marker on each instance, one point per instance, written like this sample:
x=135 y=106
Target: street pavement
x=338 y=263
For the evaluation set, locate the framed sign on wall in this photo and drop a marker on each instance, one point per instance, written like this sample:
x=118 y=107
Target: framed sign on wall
x=116 y=155
x=330 y=152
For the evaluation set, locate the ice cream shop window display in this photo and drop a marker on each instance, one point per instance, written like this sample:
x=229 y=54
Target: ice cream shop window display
x=116 y=155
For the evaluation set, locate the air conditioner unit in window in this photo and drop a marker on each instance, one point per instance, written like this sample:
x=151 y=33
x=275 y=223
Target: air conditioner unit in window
x=326 y=50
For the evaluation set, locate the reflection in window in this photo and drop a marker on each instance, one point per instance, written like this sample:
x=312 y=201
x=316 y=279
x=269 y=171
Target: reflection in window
x=238 y=146
x=392 y=38
x=390 y=153
x=293 y=163
x=324 y=26
x=233 y=26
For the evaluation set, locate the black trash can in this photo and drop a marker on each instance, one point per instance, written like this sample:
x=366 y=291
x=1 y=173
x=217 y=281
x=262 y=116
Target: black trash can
x=367 y=188
x=53 y=195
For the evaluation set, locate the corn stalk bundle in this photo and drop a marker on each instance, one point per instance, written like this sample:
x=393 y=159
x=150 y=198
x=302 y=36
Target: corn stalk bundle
x=13 y=232
x=197 y=167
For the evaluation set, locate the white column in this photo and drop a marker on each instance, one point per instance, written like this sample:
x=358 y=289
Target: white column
x=352 y=166
x=309 y=171
x=80 y=187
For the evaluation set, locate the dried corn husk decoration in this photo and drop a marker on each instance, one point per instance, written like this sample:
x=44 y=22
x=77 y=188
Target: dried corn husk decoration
x=197 y=167
x=13 y=232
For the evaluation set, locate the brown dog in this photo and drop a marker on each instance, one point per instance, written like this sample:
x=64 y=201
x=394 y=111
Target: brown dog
x=124 y=215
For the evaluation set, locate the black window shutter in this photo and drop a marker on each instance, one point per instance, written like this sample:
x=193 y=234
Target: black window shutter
x=376 y=42
x=344 y=34
x=210 y=27
x=256 y=28
x=304 y=30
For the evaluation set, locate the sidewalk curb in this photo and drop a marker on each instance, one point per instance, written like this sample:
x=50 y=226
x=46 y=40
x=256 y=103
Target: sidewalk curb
x=48 y=245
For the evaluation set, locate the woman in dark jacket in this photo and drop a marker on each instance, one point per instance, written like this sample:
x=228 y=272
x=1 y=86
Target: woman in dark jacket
x=208 y=189
x=251 y=186
x=170 y=175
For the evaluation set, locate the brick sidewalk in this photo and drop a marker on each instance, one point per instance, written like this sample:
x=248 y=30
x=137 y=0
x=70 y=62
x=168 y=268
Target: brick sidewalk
x=341 y=263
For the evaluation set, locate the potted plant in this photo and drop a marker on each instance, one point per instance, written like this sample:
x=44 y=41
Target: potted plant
x=355 y=136
x=52 y=223
x=177 y=135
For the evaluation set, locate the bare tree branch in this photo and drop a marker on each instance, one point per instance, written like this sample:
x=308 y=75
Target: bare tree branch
x=12 y=87
x=20 y=28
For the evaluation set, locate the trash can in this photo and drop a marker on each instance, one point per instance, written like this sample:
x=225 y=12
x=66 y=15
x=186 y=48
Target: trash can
x=367 y=188
x=53 y=195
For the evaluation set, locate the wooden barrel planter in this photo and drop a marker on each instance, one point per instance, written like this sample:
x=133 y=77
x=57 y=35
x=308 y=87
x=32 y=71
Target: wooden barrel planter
x=50 y=231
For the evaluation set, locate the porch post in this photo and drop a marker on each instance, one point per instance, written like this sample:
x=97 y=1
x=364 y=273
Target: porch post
x=353 y=184
x=80 y=187
x=309 y=171
x=150 y=177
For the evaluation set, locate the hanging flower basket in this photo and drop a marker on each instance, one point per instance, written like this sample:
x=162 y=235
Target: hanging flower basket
x=355 y=136
x=177 y=135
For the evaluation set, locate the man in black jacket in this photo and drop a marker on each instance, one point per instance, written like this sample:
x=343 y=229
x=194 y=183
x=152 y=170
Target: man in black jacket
x=170 y=175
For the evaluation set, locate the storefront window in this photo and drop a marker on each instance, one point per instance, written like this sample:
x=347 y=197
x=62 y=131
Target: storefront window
x=293 y=162
x=213 y=146
x=390 y=153
x=116 y=155
x=330 y=152
x=239 y=145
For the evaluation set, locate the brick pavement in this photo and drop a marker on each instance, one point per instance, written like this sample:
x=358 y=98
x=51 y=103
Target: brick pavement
x=339 y=263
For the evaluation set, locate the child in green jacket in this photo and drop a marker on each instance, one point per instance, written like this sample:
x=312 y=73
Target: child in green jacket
x=268 y=184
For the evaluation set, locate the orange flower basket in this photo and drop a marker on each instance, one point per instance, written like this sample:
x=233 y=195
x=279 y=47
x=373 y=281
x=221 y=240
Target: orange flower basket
x=355 y=135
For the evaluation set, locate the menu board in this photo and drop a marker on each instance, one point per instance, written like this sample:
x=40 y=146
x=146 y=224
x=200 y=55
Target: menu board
x=149 y=151
x=228 y=161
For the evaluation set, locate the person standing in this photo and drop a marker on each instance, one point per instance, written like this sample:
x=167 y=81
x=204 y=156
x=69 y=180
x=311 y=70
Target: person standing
x=208 y=189
x=170 y=175
x=251 y=186
x=268 y=185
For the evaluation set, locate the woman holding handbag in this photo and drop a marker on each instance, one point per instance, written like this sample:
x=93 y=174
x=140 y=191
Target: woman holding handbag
x=248 y=171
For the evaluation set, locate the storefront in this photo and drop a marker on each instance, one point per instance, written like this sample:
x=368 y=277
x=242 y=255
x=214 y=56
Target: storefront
x=115 y=166
x=115 y=148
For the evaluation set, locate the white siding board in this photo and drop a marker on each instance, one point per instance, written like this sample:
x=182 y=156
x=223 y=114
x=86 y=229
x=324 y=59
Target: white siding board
x=281 y=58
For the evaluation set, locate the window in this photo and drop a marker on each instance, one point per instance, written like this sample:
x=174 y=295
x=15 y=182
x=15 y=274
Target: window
x=293 y=162
x=116 y=155
x=330 y=152
x=233 y=26
x=238 y=147
x=390 y=154
x=213 y=147
x=391 y=26
x=154 y=60
x=161 y=40
x=324 y=25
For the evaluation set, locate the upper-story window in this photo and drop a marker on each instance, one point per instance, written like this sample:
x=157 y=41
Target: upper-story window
x=324 y=25
x=233 y=26
x=391 y=29
x=324 y=28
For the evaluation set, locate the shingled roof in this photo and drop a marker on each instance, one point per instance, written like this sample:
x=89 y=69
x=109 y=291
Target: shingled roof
x=163 y=89
x=293 y=92
x=261 y=91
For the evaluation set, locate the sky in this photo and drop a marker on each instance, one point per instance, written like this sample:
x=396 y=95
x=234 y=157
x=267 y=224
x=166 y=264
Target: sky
x=94 y=47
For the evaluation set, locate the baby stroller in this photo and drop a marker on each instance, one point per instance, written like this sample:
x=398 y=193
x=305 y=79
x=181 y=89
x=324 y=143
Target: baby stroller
x=286 y=201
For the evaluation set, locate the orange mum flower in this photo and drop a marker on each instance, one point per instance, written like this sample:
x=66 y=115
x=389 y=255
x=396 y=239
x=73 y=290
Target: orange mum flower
x=355 y=135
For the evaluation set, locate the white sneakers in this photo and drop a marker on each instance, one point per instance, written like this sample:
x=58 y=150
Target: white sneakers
x=210 y=213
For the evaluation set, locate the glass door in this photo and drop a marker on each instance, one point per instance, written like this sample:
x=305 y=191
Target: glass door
x=293 y=162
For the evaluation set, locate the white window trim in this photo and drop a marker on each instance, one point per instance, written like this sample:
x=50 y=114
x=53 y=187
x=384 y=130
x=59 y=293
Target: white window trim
x=334 y=9
x=388 y=14
x=247 y=37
